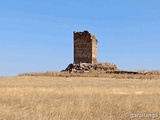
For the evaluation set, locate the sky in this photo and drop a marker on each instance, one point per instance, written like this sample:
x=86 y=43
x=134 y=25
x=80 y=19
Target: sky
x=37 y=35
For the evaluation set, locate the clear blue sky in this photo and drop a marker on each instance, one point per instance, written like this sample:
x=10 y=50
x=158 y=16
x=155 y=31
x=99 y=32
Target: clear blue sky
x=37 y=35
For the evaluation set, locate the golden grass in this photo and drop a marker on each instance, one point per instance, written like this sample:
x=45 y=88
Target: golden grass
x=77 y=98
x=102 y=74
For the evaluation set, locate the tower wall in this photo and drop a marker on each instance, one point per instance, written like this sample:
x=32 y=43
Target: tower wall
x=85 y=48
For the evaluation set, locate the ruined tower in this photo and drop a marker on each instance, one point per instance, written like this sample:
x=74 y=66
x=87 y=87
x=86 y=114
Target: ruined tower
x=85 y=48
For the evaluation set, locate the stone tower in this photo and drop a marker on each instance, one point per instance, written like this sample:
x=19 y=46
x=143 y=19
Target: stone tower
x=85 y=48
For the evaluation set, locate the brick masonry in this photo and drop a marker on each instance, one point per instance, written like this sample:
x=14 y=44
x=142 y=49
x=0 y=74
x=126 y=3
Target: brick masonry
x=85 y=48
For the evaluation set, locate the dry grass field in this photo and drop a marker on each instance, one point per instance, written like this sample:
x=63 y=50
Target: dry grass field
x=78 y=98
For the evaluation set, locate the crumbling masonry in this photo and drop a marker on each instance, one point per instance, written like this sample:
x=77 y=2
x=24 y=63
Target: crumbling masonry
x=85 y=48
x=85 y=54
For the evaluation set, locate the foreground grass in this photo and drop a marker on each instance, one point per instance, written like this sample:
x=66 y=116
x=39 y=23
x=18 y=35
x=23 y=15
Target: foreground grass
x=56 y=98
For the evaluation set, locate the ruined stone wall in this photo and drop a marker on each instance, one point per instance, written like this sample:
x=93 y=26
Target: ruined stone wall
x=85 y=48
x=94 y=50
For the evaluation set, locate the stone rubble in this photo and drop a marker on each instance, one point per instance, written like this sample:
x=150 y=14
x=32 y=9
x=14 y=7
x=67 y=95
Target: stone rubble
x=88 y=67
